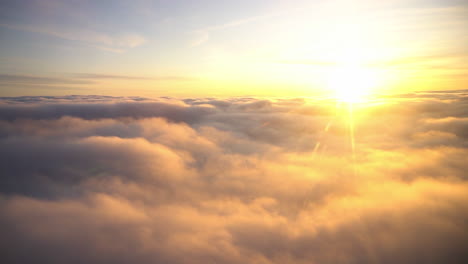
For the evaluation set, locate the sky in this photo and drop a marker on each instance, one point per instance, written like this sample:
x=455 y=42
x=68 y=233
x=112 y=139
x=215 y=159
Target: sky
x=229 y=48
x=227 y=132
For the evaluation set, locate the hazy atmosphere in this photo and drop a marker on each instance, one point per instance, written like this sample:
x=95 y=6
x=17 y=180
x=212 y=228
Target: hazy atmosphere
x=229 y=48
x=264 y=132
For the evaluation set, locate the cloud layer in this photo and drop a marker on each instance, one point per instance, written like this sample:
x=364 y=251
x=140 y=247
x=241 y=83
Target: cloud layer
x=94 y=179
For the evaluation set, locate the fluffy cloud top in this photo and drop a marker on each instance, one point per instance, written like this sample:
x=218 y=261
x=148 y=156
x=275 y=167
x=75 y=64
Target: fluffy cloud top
x=93 y=179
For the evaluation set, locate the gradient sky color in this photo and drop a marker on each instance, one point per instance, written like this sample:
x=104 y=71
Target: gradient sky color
x=226 y=48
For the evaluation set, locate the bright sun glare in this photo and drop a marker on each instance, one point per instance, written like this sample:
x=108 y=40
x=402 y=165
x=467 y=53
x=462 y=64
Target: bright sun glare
x=351 y=83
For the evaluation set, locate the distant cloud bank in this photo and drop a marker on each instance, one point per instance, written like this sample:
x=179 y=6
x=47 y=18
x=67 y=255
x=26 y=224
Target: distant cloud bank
x=100 y=179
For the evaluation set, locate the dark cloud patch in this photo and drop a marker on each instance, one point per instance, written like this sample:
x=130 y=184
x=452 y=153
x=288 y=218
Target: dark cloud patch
x=173 y=112
x=100 y=179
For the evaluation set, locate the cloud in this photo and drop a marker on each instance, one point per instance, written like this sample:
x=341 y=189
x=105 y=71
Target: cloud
x=127 y=77
x=202 y=35
x=77 y=81
x=117 y=43
x=103 y=179
x=19 y=81
x=307 y=62
x=29 y=79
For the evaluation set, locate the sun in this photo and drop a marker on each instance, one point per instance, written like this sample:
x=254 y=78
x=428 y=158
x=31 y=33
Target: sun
x=351 y=83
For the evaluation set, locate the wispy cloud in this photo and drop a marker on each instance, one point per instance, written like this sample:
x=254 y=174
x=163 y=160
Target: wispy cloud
x=434 y=58
x=34 y=79
x=114 y=43
x=203 y=34
x=76 y=81
x=306 y=62
x=131 y=77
